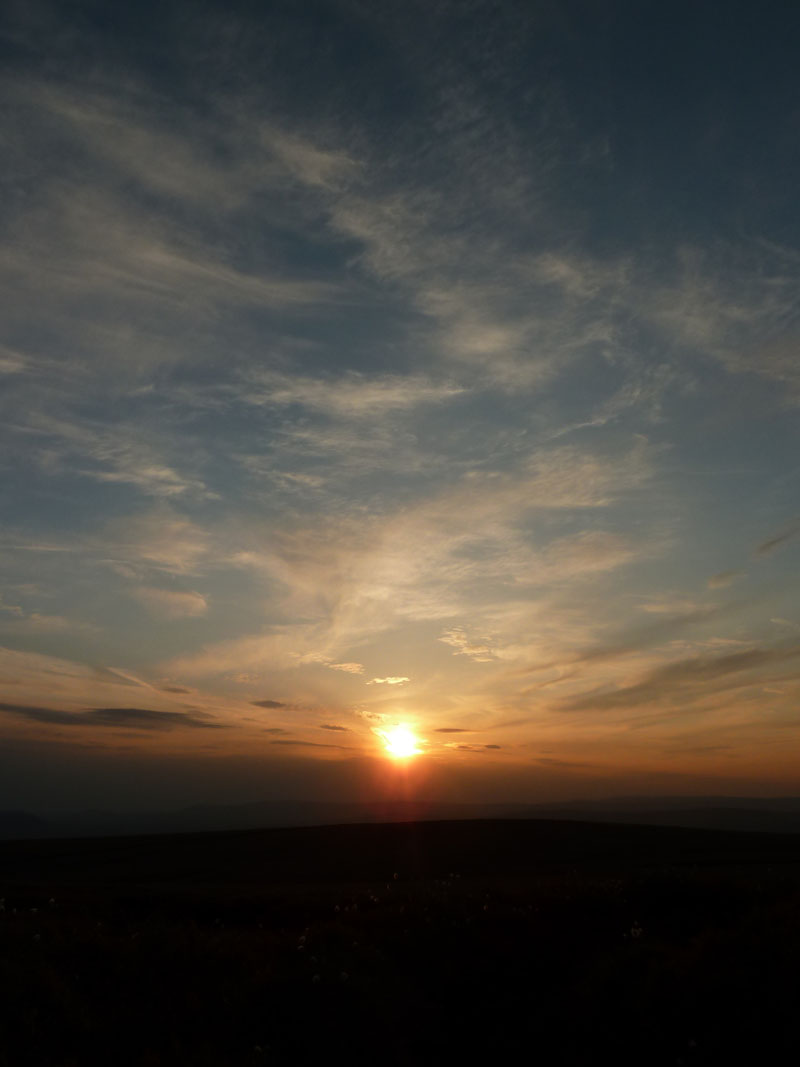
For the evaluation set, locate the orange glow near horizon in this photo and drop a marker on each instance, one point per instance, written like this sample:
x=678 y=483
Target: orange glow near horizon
x=400 y=742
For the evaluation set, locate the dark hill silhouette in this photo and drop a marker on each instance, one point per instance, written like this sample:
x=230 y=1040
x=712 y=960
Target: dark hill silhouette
x=770 y=815
x=350 y=853
x=427 y=943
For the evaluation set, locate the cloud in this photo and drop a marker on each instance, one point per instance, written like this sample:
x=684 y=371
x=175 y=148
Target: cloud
x=348 y=668
x=69 y=680
x=667 y=627
x=370 y=716
x=765 y=548
x=238 y=656
x=307 y=162
x=126 y=242
x=183 y=159
x=160 y=540
x=351 y=396
x=172 y=604
x=12 y=362
x=142 y=264
x=513 y=318
x=674 y=604
x=463 y=646
x=127 y=677
x=129 y=718
x=143 y=718
x=46 y=715
x=643 y=396
x=362 y=405
x=37 y=623
x=111 y=454
x=329 y=726
x=351 y=576
x=326 y=661
x=306 y=744
x=724 y=579
x=450 y=730
x=549 y=761
x=734 y=306
x=592 y=551
x=685 y=679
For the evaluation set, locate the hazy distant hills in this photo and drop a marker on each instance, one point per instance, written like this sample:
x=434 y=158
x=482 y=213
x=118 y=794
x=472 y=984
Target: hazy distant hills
x=769 y=815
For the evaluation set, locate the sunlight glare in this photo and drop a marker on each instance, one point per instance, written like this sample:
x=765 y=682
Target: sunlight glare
x=400 y=743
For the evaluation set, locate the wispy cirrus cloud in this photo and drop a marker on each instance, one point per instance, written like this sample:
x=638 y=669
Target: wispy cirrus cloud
x=297 y=743
x=130 y=139
x=353 y=578
x=34 y=622
x=172 y=603
x=724 y=578
x=12 y=362
x=162 y=540
x=351 y=396
x=434 y=382
x=685 y=680
x=107 y=454
x=129 y=132
x=737 y=306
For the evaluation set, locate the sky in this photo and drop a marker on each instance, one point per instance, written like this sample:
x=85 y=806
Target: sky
x=383 y=362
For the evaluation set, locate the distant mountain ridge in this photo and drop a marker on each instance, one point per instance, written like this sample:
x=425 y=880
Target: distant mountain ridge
x=759 y=814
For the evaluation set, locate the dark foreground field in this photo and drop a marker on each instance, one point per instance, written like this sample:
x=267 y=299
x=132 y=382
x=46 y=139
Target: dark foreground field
x=427 y=943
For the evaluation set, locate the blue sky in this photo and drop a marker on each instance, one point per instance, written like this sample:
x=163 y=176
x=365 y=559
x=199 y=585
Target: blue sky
x=367 y=363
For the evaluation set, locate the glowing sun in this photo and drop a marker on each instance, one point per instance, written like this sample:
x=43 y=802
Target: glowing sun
x=400 y=743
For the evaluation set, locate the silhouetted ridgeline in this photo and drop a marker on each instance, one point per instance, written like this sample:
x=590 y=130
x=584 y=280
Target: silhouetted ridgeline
x=770 y=815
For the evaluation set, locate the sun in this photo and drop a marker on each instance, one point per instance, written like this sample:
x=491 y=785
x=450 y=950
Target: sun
x=400 y=743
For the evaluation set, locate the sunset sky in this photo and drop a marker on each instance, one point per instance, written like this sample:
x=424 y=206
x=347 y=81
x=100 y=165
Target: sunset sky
x=382 y=361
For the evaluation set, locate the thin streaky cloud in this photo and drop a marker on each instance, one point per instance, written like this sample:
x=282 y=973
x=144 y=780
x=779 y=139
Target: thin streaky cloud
x=765 y=548
x=128 y=718
x=355 y=396
x=723 y=579
x=307 y=744
x=666 y=681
